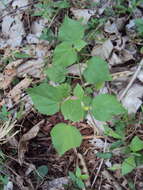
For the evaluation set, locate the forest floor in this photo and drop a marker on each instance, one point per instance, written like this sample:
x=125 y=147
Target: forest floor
x=58 y=60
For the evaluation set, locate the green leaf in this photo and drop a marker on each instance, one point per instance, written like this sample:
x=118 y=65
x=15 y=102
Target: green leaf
x=80 y=183
x=111 y=133
x=105 y=106
x=78 y=91
x=40 y=99
x=63 y=91
x=61 y=4
x=65 y=137
x=139 y=24
x=42 y=171
x=4 y=180
x=120 y=128
x=78 y=45
x=72 y=176
x=116 y=144
x=115 y=167
x=105 y=155
x=136 y=144
x=97 y=71
x=71 y=30
x=72 y=110
x=64 y=55
x=4 y=113
x=46 y=98
x=20 y=55
x=78 y=172
x=128 y=165
x=139 y=160
x=47 y=34
x=86 y=101
x=84 y=177
x=131 y=185
x=56 y=73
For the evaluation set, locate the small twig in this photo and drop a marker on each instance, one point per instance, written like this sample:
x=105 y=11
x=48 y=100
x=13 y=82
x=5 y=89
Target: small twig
x=18 y=9
x=84 y=169
x=131 y=81
x=95 y=128
x=50 y=24
x=92 y=137
x=100 y=166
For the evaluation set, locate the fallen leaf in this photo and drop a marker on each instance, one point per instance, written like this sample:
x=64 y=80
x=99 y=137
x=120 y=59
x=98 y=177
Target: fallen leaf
x=14 y=29
x=140 y=76
x=84 y=14
x=110 y=28
x=32 y=68
x=13 y=64
x=15 y=93
x=115 y=60
x=6 y=24
x=132 y=101
x=103 y=50
x=22 y=147
x=38 y=26
x=18 y=4
x=56 y=184
x=5 y=80
x=32 y=39
x=76 y=69
x=1 y=7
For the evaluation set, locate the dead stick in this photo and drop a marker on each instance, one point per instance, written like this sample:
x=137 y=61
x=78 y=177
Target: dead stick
x=131 y=81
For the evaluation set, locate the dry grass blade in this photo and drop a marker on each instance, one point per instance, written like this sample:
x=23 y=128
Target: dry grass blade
x=6 y=131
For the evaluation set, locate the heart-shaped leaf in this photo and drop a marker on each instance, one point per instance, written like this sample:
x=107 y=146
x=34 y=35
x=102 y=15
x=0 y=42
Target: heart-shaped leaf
x=97 y=71
x=105 y=106
x=72 y=110
x=65 y=137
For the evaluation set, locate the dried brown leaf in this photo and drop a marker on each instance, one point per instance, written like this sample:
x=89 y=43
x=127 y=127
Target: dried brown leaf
x=15 y=93
x=23 y=144
x=103 y=50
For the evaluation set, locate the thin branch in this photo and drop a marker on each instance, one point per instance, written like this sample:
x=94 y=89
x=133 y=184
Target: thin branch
x=18 y=9
x=131 y=81
x=100 y=166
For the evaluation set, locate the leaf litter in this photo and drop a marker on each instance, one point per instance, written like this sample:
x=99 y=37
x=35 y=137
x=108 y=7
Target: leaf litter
x=119 y=47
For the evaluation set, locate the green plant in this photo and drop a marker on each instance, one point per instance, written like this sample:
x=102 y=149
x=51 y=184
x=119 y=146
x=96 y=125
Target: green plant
x=133 y=160
x=139 y=24
x=47 y=34
x=3 y=176
x=41 y=172
x=122 y=7
x=74 y=102
x=3 y=181
x=4 y=113
x=48 y=8
x=78 y=178
x=131 y=151
x=20 y=55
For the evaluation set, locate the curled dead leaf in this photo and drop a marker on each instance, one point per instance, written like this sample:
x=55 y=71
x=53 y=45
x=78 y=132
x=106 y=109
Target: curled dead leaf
x=103 y=50
x=22 y=147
